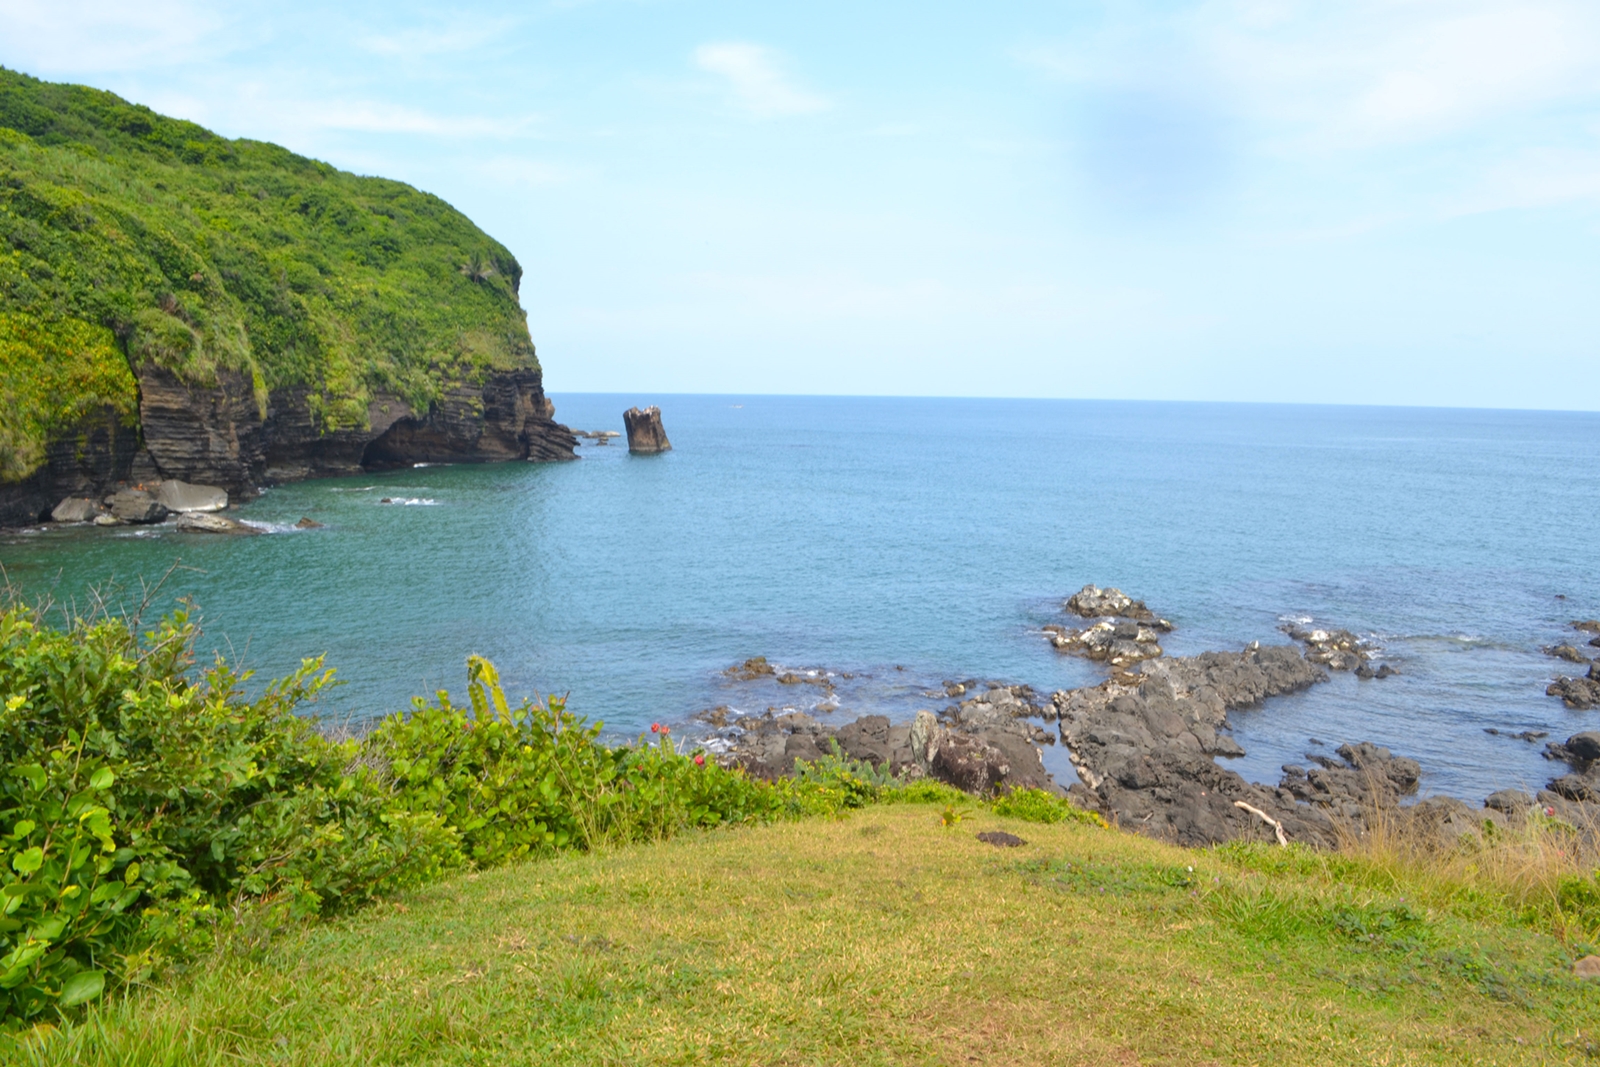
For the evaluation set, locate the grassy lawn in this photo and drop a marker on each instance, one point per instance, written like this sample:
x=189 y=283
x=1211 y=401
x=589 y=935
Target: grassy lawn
x=882 y=938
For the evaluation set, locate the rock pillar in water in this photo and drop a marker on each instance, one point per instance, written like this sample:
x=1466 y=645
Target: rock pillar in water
x=645 y=434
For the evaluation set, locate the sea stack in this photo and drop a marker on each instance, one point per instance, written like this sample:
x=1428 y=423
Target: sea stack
x=645 y=434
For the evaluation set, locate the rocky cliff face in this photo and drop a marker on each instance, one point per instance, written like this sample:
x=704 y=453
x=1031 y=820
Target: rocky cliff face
x=99 y=453
x=217 y=435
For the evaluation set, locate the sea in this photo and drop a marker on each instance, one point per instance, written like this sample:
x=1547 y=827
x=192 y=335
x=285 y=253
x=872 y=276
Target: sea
x=890 y=545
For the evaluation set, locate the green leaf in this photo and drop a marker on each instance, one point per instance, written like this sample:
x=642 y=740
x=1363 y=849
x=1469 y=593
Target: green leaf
x=81 y=987
x=29 y=861
x=33 y=773
x=102 y=779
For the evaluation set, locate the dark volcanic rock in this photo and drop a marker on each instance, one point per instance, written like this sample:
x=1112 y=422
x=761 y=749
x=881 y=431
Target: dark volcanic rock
x=1508 y=801
x=1579 y=749
x=1580 y=693
x=1001 y=839
x=1145 y=751
x=645 y=433
x=1566 y=652
x=1587 y=626
x=1117 y=643
x=1338 y=650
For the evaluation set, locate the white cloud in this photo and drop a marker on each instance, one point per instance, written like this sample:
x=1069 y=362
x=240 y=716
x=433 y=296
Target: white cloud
x=1385 y=72
x=757 y=82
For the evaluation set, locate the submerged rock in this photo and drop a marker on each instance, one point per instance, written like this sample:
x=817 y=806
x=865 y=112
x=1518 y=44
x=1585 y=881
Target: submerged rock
x=308 y=524
x=205 y=522
x=1566 y=652
x=645 y=433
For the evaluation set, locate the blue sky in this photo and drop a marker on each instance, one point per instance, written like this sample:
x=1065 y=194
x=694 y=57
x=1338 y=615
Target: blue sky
x=1371 y=201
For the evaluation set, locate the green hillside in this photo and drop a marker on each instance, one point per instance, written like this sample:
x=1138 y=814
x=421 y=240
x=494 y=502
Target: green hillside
x=128 y=237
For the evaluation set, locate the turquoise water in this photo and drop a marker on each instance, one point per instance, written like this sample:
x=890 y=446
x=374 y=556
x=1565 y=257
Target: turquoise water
x=908 y=541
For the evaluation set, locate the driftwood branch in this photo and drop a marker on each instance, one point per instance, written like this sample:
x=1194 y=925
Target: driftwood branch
x=1277 y=827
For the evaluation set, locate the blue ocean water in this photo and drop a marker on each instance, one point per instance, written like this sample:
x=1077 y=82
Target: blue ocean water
x=907 y=541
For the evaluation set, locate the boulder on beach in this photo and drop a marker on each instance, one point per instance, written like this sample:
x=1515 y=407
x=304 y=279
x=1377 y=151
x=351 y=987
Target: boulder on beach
x=75 y=509
x=645 y=434
x=180 y=496
x=136 y=505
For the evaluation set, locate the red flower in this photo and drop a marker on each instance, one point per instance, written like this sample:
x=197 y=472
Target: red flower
x=700 y=759
x=655 y=728
x=665 y=730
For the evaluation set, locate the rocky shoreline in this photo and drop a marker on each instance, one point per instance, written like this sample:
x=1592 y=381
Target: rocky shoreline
x=227 y=436
x=1145 y=742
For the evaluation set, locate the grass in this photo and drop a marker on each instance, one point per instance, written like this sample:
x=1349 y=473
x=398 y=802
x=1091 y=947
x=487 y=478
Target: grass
x=884 y=938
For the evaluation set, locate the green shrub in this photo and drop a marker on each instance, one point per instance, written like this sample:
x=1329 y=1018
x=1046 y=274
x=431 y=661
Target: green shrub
x=145 y=806
x=511 y=782
x=1036 y=805
x=136 y=801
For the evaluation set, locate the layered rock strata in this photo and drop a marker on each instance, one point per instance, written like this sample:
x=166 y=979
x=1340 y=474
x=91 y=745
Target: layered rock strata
x=223 y=435
x=645 y=433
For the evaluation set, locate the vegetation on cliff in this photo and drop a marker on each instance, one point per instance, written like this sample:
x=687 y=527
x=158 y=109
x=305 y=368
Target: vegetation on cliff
x=128 y=237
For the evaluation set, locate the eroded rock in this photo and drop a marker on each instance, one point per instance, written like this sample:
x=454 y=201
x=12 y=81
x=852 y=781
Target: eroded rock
x=645 y=433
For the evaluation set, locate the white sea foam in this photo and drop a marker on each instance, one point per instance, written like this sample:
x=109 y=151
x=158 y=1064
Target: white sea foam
x=271 y=527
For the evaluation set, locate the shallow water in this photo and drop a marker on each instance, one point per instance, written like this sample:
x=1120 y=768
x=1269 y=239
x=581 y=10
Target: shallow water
x=908 y=541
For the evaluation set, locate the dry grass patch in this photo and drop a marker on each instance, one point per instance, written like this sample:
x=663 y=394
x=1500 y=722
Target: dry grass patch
x=881 y=939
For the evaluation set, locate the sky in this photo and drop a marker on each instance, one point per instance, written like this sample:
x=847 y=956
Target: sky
x=1370 y=201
